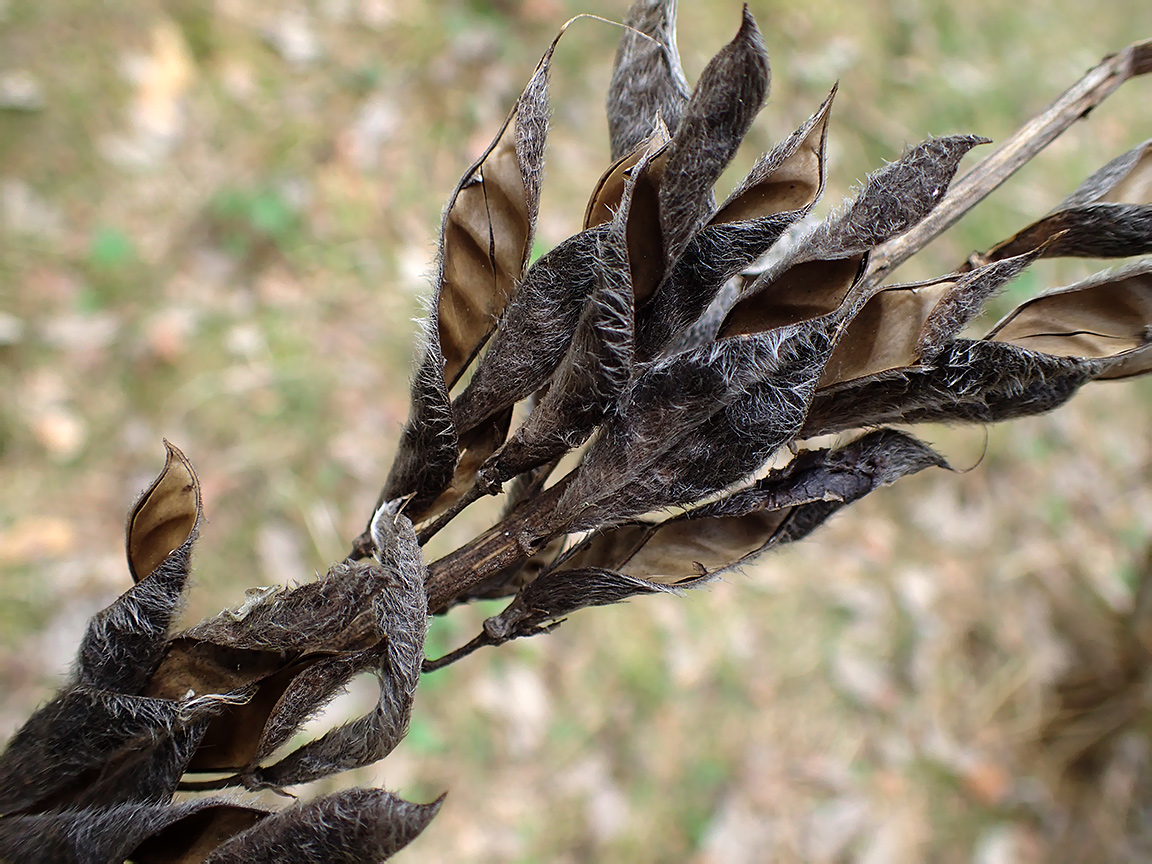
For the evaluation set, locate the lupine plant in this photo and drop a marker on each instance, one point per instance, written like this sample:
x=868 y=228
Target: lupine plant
x=646 y=397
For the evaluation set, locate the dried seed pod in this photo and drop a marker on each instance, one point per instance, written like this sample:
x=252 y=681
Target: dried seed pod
x=542 y=604
x=308 y=691
x=609 y=190
x=1108 y=216
x=349 y=827
x=197 y=828
x=1107 y=317
x=124 y=643
x=488 y=227
x=1087 y=231
x=780 y=189
x=731 y=90
x=782 y=507
x=648 y=87
x=690 y=550
x=594 y=372
x=1035 y=360
x=696 y=423
x=646 y=324
x=146 y=772
x=165 y=517
x=476 y=446
x=144 y=833
x=905 y=325
x=643 y=171
x=816 y=277
x=485 y=243
x=789 y=178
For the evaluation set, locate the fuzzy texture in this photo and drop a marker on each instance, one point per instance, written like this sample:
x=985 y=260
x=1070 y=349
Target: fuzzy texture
x=50 y=759
x=328 y=614
x=903 y=326
x=308 y=694
x=815 y=275
x=780 y=189
x=400 y=610
x=485 y=242
x=704 y=330
x=969 y=381
x=147 y=772
x=647 y=80
x=429 y=446
x=714 y=256
x=536 y=330
x=1085 y=231
x=541 y=604
x=381 y=604
x=843 y=475
x=964 y=302
x=356 y=826
x=731 y=90
x=1127 y=179
x=84 y=765
x=110 y=834
x=124 y=642
x=782 y=507
x=696 y=423
x=477 y=446
x=594 y=372
x=100 y=741
x=272 y=645
x=896 y=197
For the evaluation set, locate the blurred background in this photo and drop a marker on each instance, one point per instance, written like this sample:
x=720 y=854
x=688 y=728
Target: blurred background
x=217 y=220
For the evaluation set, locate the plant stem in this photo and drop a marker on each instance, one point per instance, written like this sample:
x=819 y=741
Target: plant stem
x=509 y=542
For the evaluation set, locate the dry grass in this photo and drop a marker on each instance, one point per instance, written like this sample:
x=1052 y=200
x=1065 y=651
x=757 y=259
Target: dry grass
x=215 y=229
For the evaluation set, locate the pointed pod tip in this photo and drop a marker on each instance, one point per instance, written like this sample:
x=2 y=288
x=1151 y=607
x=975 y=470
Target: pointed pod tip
x=749 y=39
x=166 y=515
x=749 y=29
x=934 y=459
x=825 y=109
x=965 y=142
x=175 y=454
x=427 y=811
